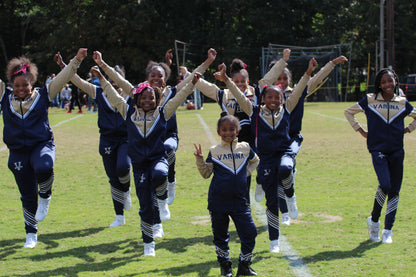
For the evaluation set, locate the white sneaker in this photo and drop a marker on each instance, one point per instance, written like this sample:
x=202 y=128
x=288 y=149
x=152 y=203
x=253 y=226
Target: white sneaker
x=43 y=207
x=127 y=200
x=259 y=195
x=149 y=249
x=31 y=240
x=292 y=207
x=158 y=231
x=120 y=220
x=386 y=236
x=274 y=246
x=171 y=192
x=373 y=229
x=285 y=219
x=163 y=209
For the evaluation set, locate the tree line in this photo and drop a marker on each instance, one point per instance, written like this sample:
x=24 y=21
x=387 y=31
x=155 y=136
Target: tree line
x=130 y=32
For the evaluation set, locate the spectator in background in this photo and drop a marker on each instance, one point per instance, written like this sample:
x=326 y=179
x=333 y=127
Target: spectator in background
x=66 y=93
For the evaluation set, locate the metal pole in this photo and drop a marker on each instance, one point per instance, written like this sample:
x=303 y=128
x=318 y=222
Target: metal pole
x=381 y=35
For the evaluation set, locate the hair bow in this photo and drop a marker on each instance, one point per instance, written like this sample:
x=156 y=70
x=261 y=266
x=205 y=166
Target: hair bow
x=23 y=69
x=141 y=87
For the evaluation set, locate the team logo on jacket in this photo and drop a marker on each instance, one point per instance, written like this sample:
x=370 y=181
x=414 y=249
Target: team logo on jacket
x=267 y=172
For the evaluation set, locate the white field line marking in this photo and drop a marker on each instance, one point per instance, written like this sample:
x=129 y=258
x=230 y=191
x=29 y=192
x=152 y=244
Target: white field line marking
x=4 y=148
x=343 y=119
x=295 y=261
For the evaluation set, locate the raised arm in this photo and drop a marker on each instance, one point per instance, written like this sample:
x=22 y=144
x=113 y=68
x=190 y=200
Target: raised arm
x=85 y=86
x=176 y=101
x=205 y=169
x=292 y=101
x=212 y=54
x=274 y=73
x=125 y=85
x=57 y=83
x=242 y=100
x=317 y=79
x=112 y=95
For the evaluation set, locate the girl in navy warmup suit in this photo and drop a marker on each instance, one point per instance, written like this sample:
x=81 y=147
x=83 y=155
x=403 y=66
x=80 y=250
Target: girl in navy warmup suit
x=270 y=127
x=29 y=137
x=230 y=162
x=296 y=117
x=113 y=144
x=156 y=76
x=385 y=111
x=146 y=126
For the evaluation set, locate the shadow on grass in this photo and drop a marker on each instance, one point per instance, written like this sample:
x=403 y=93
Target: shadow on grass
x=180 y=245
x=203 y=268
x=9 y=247
x=339 y=254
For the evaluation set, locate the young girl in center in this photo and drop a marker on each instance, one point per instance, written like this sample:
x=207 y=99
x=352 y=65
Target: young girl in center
x=146 y=126
x=385 y=111
x=270 y=127
x=230 y=162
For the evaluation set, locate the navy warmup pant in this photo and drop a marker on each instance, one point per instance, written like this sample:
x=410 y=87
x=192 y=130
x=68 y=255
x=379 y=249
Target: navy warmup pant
x=389 y=170
x=33 y=172
x=117 y=163
x=150 y=180
x=246 y=230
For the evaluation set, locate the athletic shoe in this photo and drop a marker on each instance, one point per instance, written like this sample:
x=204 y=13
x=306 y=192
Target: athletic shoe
x=149 y=249
x=244 y=269
x=274 y=246
x=292 y=207
x=373 y=229
x=163 y=209
x=226 y=269
x=70 y=111
x=31 y=240
x=80 y=111
x=285 y=219
x=158 y=231
x=43 y=207
x=127 y=200
x=386 y=236
x=120 y=220
x=259 y=195
x=171 y=192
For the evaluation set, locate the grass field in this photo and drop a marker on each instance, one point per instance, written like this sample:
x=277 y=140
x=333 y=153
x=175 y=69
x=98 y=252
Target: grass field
x=335 y=187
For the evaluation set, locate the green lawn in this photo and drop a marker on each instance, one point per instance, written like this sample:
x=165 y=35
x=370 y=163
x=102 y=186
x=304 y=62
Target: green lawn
x=335 y=187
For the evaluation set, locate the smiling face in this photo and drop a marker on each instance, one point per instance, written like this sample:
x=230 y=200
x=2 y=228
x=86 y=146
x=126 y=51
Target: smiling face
x=147 y=100
x=240 y=81
x=272 y=98
x=156 y=77
x=22 y=87
x=283 y=80
x=228 y=131
x=388 y=83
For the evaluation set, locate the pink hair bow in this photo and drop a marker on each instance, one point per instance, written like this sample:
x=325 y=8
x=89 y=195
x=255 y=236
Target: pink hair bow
x=141 y=87
x=23 y=69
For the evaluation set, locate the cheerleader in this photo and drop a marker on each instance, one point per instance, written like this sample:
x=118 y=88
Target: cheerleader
x=296 y=117
x=146 y=126
x=29 y=137
x=385 y=111
x=270 y=127
x=230 y=162
x=113 y=143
